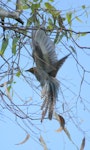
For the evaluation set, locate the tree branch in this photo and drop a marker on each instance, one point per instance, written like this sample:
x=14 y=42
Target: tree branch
x=9 y=14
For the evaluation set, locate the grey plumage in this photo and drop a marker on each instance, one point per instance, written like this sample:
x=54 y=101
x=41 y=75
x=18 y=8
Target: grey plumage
x=50 y=88
x=43 y=50
x=47 y=66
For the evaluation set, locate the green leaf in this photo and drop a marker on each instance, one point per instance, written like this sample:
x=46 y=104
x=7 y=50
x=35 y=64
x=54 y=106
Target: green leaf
x=49 y=27
x=18 y=73
x=35 y=6
x=52 y=10
x=24 y=5
x=48 y=5
x=9 y=87
x=69 y=17
x=0 y=53
x=78 y=19
x=51 y=0
x=50 y=24
x=29 y=21
x=61 y=36
x=50 y=21
x=56 y=38
x=83 y=6
x=35 y=0
x=83 y=34
x=73 y=49
x=4 y=46
x=14 y=45
x=60 y=21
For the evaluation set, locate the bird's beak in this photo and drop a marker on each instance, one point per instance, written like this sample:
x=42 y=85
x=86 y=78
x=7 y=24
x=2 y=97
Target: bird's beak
x=30 y=70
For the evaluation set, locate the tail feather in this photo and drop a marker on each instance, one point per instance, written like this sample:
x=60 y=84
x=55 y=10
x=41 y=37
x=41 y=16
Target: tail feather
x=50 y=113
x=50 y=94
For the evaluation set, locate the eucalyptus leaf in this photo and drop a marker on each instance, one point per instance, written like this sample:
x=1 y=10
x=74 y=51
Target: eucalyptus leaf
x=78 y=19
x=69 y=17
x=4 y=46
x=14 y=45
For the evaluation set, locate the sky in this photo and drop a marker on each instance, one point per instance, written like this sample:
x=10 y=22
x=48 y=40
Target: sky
x=76 y=116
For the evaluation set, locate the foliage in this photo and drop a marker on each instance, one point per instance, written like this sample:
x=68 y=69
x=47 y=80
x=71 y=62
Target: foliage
x=16 y=55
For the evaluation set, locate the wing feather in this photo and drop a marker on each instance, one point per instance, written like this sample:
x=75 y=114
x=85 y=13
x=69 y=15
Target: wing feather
x=43 y=50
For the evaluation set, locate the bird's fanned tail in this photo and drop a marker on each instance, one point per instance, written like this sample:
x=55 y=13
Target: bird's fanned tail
x=49 y=94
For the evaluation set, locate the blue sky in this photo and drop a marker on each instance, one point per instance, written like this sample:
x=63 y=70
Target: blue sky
x=76 y=116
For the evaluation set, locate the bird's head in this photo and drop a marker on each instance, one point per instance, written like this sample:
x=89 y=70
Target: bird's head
x=32 y=70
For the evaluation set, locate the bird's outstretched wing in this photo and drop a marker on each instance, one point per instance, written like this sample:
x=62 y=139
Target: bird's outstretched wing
x=43 y=50
x=58 y=65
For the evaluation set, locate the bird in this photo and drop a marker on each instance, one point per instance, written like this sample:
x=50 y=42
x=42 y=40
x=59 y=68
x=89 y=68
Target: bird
x=56 y=66
x=47 y=66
